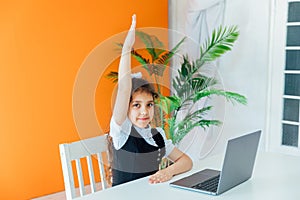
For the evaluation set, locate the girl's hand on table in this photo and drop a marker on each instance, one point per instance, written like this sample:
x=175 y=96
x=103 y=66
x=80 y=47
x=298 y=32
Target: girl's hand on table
x=161 y=176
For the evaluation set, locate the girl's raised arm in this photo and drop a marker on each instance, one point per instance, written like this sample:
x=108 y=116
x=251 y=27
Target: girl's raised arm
x=124 y=77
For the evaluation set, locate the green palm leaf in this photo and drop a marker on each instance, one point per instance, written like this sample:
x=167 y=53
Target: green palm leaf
x=230 y=96
x=153 y=45
x=139 y=57
x=222 y=41
x=207 y=123
x=169 y=103
x=171 y=123
x=165 y=58
x=195 y=116
x=181 y=132
x=191 y=121
x=112 y=76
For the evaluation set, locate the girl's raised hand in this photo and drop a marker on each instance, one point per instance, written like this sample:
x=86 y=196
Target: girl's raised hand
x=130 y=38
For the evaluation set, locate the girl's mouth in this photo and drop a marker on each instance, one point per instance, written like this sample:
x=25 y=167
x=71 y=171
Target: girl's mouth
x=143 y=118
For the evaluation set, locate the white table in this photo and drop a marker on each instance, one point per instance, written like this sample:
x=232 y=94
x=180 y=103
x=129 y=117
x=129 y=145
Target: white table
x=275 y=177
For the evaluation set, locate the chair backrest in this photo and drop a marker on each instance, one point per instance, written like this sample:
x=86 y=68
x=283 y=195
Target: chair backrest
x=74 y=152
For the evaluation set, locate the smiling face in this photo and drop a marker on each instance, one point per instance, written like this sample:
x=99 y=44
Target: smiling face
x=141 y=109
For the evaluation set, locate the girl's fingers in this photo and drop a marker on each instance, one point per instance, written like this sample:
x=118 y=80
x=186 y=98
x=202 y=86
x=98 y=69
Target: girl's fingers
x=134 y=19
x=159 y=177
x=133 y=22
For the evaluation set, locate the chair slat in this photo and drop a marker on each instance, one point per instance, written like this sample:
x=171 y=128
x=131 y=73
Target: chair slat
x=80 y=177
x=67 y=171
x=101 y=169
x=91 y=173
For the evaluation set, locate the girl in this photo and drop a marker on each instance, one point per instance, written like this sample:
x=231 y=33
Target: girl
x=137 y=148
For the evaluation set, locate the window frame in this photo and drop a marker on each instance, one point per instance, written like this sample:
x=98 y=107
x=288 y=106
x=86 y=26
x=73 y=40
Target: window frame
x=278 y=47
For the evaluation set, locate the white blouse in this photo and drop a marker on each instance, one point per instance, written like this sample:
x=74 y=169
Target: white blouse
x=121 y=133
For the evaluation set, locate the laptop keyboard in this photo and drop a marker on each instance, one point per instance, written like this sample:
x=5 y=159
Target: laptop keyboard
x=210 y=185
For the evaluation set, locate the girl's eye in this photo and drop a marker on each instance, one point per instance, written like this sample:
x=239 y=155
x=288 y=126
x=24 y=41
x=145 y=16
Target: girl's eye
x=150 y=104
x=136 y=105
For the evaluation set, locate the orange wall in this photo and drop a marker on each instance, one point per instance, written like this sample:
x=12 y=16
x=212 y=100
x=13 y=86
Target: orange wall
x=42 y=46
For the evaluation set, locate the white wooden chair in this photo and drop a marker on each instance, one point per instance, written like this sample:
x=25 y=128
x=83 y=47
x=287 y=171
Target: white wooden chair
x=75 y=151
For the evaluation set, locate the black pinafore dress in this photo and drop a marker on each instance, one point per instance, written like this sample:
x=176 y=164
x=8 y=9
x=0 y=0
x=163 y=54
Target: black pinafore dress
x=137 y=158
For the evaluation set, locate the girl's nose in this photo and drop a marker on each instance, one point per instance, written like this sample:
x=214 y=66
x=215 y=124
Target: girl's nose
x=143 y=111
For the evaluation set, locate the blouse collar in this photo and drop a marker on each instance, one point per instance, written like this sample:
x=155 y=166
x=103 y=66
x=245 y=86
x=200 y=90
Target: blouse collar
x=144 y=132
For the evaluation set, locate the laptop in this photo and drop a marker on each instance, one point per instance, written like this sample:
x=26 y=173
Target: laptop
x=237 y=168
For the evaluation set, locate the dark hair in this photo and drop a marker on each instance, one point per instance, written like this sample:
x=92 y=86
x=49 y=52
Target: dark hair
x=142 y=85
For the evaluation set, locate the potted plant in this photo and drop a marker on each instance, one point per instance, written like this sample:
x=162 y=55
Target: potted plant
x=190 y=86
